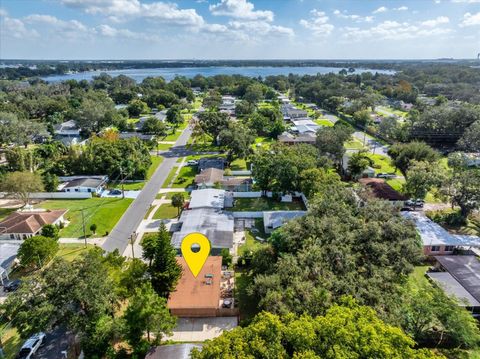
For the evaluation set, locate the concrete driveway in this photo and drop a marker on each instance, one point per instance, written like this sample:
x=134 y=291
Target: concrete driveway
x=200 y=329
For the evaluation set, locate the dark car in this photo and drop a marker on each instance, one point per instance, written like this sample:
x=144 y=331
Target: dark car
x=12 y=286
x=115 y=192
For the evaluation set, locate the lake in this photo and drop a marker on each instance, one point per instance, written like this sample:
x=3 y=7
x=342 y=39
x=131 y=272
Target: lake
x=169 y=73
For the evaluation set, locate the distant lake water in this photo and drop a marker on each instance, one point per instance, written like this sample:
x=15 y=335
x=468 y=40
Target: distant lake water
x=169 y=73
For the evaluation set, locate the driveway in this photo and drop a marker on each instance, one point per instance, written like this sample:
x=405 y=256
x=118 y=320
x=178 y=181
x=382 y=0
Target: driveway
x=133 y=216
x=200 y=329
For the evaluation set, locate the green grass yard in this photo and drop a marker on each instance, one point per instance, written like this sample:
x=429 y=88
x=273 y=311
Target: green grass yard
x=71 y=251
x=324 y=122
x=104 y=212
x=165 y=211
x=383 y=164
x=156 y=160
x=4 y=212
x=266 y=204
x=185 y=177
x=239 y=165
x=354 y=144
x=173 y=136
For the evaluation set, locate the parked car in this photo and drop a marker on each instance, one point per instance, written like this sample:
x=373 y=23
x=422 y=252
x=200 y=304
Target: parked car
x=115 y=192
x=192 y=163
x=30 y=347
x=415 y=203
x=385 y=175
x=12 y=286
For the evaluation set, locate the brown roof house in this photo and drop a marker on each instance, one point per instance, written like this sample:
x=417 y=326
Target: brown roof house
x=22 y=225
x=213 y=177
x=200 y=296
x=382 y=190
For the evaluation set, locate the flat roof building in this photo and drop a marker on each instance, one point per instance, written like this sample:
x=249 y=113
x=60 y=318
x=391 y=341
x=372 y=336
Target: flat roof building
x=275 y=219
x=174 y=351
x=200 y=296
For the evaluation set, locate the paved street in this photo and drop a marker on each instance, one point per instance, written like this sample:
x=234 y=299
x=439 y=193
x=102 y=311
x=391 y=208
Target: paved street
x=131 y=219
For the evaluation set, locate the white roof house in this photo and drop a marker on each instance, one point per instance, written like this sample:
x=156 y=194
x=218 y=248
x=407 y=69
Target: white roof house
x=275 y=219
x=68 y=128
x=207 y=198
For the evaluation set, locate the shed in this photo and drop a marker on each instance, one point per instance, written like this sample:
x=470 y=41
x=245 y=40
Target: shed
x=275 y=219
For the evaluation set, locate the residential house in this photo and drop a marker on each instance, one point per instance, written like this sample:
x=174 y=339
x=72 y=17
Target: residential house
x=382 y=190
x=211 y=162
x=472 y=159
x=275 y=219
x=140 y=136
x=22 y=225
x=291 y=139
x=197 y=296
x=290 y=112
x=436 y=239
x=214 y=177
x=67 y=132
x=458 y=276
x=205 y=215
x=304 y=125
x=369 y=172
x=90 y=184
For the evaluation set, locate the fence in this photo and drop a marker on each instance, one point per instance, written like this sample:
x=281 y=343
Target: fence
x=241 y=173
x=246 y=214
x=60 y=195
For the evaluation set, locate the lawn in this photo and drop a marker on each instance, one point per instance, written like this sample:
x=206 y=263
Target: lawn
x=396 y=183
x=163 y=146
x=104 y=212
x=71 y=251
x=11 y=342
x=239 y=165
x=165 y=211
x=170 y=177
x=247 y=306
x=169 y=195
x=156 y=160
x=251 y=244
x=148 y=212
x=383 y=164
x=324 y=122
x=173 y=136
x=185 y=177
x=417 y=277
x=266 y=204
x=354 y=144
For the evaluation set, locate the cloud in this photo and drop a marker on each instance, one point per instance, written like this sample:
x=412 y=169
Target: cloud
x=3 y=12
x=16 y=28
x=437 y=21
x=106 y=7
x=71 y=25
x=466 y=1
x=261 y=27
x=318 y=23
x=470 y=19
x=108 y=31
x=240 y=9
x=380 y=10
x=353 y=17
x=394 y=30
x=401 y=8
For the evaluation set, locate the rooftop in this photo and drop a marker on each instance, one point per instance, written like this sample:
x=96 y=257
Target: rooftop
x=465 y=270
x=199 y=292
x=29 y=222
x=433 y=234
x=209 y=176
x=174 y=351
x=211 y=162
x=275 y=219
x=215 y=224
x=85 y=182
x=452 y=287
x=381 y=189
x=207 y=198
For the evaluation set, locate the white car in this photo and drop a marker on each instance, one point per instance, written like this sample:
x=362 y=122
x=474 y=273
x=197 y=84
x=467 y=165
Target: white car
x=31 y=346
x=192 y=163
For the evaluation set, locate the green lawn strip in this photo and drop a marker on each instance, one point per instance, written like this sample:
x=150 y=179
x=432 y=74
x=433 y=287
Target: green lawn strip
x=165 y=211
x=185 y=177
x=4 y=212
x=396 y=183
x=251 y=244
x=354 y=144
x=156 y=160
x=129 y=186
x=324 y=122
x=417 y=277
x=198 y=157
x=383 y=164
x=71 y=251
x=133 y=120
x=170 y=177
x=104 y=212
x=163 y=146
x=172 y=136
x=148 y=212
x=265 y=204
x=169 y=195
x=239 y=165
x=247 y=306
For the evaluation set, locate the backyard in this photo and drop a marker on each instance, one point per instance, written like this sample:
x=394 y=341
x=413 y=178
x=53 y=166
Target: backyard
x=104 y=212
x=165 y=211
x=184 y=179
x=266 y=204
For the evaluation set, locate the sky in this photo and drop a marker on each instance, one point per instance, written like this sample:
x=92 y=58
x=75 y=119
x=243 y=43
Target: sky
x=239 y=29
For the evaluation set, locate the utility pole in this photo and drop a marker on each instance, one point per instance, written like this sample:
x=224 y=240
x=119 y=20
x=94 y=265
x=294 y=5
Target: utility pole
x=84 y=231
x=123 y=179
x=132 y=241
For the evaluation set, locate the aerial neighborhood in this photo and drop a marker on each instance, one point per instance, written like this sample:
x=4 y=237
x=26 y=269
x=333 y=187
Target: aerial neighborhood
x=350 y=195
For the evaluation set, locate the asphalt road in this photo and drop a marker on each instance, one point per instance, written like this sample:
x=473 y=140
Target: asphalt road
x=131 y=219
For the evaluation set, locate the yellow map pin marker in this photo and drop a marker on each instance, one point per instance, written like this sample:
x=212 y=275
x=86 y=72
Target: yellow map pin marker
x=197 y=256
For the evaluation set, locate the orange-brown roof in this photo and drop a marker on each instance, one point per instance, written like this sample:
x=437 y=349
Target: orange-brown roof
x=29 y=222
x=194 y=292
x=382 y=190
x=209 y=175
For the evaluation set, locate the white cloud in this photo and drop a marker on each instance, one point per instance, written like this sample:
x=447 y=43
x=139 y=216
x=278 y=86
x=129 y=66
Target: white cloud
x=240 y=9
x=71 y=25
x=470 y=19
x=3 y=12
x=401 y=8
x=16 y=28
x=435 y=22
x=466 y=1
x=394 y=30
x=318 y=23
x=106 y=7
x=261 y=28
x=171 y=14
x=108 y=31
x=352 y=17
x=380 y=10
